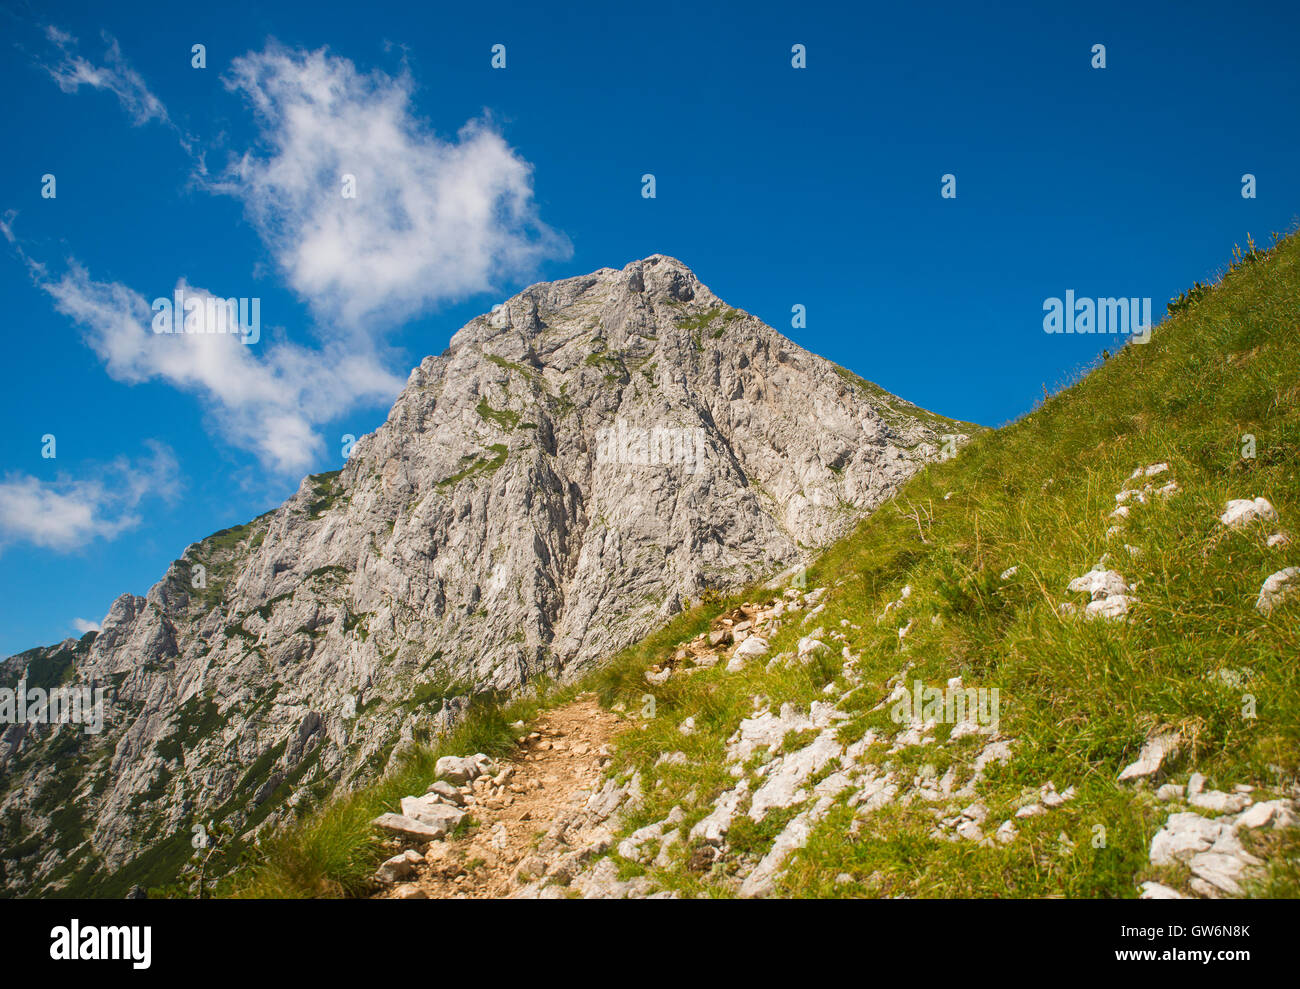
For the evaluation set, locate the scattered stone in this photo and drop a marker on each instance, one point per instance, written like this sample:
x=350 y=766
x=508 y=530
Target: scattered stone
x=405 y=827
x=454 y=769
x=1151 y=759
x=1183 y=836
x=432 y=810
x=783 y=786
x=1257 y=816
x=1157 y=891
x=1051 y=798
x=664 y=859
x=970 y=830
x=398 y=867
x=1150 y=471
x=762 y=880
x=1100 y=584
x=1219 y=802
x=1112 y=608
x=1277 y=588
x=1243 y=511
x=810 y=644
x=448 y=792
x=530 y=868
x=1221 y=871
x=713 y=828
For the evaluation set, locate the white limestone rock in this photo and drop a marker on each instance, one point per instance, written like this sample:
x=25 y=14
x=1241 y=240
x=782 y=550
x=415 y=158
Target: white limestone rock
x=1151 y=759
x=1241 y=512
x=1277 y=588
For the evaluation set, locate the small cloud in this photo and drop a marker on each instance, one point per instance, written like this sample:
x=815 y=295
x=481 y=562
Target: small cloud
x=83 y=625
x=69 y=514
x=71 y=71
x=432 y=220
x=269 y=398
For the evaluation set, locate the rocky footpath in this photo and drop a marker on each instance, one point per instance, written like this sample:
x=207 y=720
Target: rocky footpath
x=528 y=827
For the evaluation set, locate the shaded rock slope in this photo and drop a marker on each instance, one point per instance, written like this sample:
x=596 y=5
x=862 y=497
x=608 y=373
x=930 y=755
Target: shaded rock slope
x=550 y=488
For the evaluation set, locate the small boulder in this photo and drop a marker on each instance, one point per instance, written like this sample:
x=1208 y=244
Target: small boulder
x=455 y=769
x=1277 y=588
x=1112 y=608
x=447 y=792
x=405 y=827
x=1151 y=759
x=432 y=810
x=398 y=867
x=1158 y=891
x=1099 y=584
x=1240 y=512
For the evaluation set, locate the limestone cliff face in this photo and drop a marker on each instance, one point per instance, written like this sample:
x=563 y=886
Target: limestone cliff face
x=543 y=493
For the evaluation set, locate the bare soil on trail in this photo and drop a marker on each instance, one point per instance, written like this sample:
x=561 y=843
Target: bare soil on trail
x=554 y=771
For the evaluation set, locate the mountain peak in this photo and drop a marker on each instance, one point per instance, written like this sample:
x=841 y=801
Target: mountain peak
x=579 y=461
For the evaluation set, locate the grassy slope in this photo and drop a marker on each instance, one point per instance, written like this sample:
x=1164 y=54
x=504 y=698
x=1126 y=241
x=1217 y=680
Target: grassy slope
x=1078 y=697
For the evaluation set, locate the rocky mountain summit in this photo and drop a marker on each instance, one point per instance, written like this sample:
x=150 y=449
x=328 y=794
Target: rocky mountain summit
x=553 y=486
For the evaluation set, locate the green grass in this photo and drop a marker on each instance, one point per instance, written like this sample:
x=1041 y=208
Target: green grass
x=325 y=492
x=704 y=319
x=895 y=410
x=477 y=465
x=528 y=372
x=504 y=418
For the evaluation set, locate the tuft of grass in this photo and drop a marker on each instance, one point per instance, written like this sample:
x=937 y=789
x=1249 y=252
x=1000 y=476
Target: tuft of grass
x=477 y=465
x=504 y=418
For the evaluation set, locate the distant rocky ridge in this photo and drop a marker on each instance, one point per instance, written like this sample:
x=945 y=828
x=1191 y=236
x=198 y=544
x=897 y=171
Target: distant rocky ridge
x=543 y=493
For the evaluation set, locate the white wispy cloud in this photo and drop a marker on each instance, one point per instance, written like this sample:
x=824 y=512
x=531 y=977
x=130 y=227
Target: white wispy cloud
x=268 y=398
x=71 y=71
x=67 y=514
x=433 y=220
x=84 y=625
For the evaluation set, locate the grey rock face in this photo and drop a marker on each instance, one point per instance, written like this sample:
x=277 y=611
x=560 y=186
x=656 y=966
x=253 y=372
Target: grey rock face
x=544 y=492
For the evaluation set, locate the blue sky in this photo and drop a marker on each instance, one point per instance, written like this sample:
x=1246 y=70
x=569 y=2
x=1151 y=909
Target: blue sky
x=779 y=186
